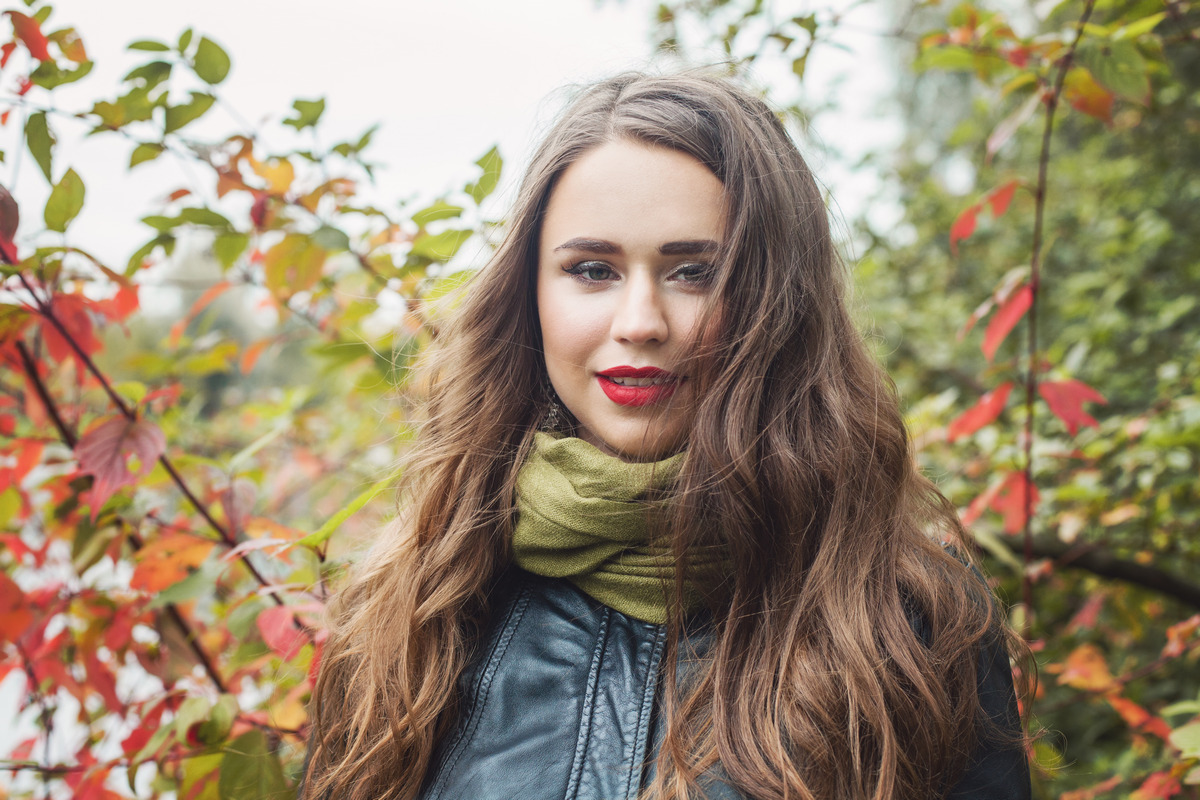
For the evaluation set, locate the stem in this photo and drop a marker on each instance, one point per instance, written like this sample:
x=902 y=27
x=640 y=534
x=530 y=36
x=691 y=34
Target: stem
x=1035 y=265
x=40 y=388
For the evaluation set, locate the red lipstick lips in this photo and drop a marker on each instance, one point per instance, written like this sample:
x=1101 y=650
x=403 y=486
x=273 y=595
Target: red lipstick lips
x=637 y=386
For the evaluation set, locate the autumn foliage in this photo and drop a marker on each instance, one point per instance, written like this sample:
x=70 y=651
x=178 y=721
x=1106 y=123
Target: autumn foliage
x=195 y=440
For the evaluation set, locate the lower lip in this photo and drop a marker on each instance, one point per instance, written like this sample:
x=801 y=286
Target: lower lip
x=636 y=395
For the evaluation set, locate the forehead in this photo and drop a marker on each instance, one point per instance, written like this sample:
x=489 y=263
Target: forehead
x=626 y=191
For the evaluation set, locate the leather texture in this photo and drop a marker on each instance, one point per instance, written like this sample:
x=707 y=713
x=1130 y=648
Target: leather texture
x=559 y=702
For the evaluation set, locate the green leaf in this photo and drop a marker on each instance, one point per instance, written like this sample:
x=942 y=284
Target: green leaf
x=161 y=223
x=193 y=710
x=251 y=770
x=163 y=240
x=1141 y=27
x=10 y=503
x=1191 y=707
x=151 y=74
x=293 y=264
x=1119 y=66
x=185 y=39
x=148 y=45
x=204 y=216
x=211 y=62
x=49 y=75
x=331 y=238
x=197 y=781
x=66 y=199
x=953 y=59
x=178 y=116
x=228 y=246
x=220 y=721
x=441 y=246
x=491 y=162
x=146 y=151
x=1187 y=739
x=41 y=143
x=321 y=534
x=439 y=210
x=307 y=113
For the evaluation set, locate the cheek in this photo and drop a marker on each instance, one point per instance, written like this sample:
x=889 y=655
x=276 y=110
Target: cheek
x=571 y=328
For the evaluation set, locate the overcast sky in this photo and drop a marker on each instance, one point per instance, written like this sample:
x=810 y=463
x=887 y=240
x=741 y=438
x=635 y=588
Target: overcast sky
x=446 y=80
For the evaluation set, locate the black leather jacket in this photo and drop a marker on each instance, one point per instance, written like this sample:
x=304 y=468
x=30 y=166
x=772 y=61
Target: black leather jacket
x=559 y=704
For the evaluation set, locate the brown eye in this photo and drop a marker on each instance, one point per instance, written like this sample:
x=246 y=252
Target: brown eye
x=697 y=274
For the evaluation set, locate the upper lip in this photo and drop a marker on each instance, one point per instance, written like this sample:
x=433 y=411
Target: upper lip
x=636 y=372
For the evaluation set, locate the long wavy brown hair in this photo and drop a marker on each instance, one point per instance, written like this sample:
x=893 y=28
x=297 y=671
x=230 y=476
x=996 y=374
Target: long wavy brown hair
x=846 y=640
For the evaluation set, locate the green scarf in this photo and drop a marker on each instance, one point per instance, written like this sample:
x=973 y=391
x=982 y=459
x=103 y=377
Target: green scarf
x=583 y=516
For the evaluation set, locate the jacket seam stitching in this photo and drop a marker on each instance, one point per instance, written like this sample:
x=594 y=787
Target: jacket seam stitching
x=483 y=685
x=641 y=731
x=589 y=707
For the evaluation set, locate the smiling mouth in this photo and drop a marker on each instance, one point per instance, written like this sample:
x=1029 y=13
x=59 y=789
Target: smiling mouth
x=638 y=386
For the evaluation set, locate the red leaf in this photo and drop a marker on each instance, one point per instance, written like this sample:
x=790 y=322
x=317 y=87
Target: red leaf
x=15 y=616
x=135 y=741
x=980 y=504
x=1085 y=618
x=6 y=52
x=1178 y=636
x=963 y=226
x=1093 y=791
x=1010 y=500
x=104 y=452
x=1011 y=124
x=211 y=293
x=30 y=33
x=250 y=354
x=258 y=211
x=1158 y=786
x=1084 y=94
x=1017 y=55
x=1066 y=399
x=101 y=678
x=999 y=198
x=1139 y=718
x=279 y=631
x=120 y=305
x=71 y=311
x=1005 y=319
x=980 y=414
x=1085 y=668
x=168 y=560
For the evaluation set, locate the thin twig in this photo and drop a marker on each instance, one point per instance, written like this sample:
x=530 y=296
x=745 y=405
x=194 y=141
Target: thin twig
x=1035 y=259
x=45 y=310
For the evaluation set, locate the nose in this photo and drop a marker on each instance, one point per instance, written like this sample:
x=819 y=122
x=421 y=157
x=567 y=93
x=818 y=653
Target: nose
x=640 y=316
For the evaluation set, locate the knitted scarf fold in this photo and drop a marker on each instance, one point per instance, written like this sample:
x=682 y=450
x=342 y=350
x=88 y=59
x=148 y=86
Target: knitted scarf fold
x=583 y=515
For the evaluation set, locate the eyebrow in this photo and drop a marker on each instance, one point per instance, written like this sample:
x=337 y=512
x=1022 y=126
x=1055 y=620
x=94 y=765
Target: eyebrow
x=685 y=247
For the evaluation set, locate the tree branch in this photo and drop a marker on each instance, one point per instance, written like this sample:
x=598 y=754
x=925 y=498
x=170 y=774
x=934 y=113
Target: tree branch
x=1035 y=263
x=1099 y=561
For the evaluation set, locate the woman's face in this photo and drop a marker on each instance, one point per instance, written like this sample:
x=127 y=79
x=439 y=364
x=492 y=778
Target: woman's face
x=624 y=270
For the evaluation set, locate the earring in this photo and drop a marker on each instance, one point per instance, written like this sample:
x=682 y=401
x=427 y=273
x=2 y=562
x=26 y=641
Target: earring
x=556 y=419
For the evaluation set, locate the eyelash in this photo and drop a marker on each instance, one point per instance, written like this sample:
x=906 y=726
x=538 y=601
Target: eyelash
x=700 y=272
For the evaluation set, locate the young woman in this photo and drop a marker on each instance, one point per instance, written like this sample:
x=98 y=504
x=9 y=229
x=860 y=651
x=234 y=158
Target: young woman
x=662 y=535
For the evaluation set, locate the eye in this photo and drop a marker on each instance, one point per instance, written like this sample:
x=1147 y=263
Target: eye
x=695 y=273
x=590 y=271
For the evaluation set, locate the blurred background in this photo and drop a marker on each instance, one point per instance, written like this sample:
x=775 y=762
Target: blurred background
x=239 y=223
